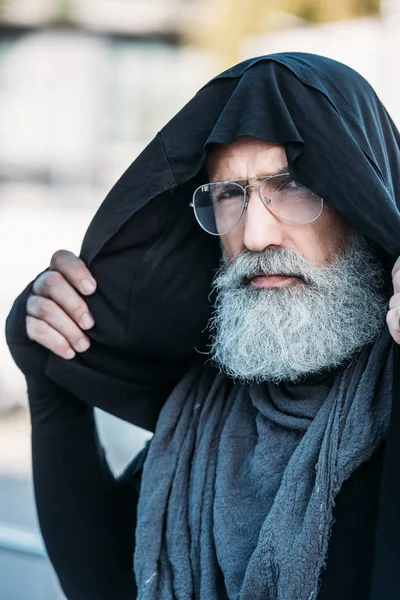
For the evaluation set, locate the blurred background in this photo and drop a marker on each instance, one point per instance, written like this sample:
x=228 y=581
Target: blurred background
x=84 y=86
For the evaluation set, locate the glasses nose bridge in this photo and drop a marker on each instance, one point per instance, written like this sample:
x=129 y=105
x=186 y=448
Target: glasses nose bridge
x=256 y=185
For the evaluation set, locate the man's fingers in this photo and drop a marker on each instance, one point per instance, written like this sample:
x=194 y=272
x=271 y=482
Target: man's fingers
x=394 y=301
x=41 y=332
x=393 y=322
x=46 y=310
x=74 y=270
x=396 y=276
x=53 y=285
x=393 y=315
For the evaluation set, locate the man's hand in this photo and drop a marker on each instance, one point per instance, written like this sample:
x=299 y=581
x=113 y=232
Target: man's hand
x=56 y=314
x=393 y=315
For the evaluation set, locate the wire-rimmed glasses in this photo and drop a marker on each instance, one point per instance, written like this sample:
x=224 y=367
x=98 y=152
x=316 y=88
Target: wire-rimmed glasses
x=220 y=205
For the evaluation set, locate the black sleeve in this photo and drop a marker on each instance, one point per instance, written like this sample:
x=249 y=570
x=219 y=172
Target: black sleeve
x=87 y=517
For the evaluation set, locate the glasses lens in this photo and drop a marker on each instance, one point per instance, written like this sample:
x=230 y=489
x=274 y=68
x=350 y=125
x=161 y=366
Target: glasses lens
x=219 y=206
x=290 y=200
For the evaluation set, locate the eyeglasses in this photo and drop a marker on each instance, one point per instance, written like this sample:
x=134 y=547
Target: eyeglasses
x=219 y=206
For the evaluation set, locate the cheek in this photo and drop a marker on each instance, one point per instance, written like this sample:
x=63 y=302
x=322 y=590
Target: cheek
x=327 y=238
x=232 y=242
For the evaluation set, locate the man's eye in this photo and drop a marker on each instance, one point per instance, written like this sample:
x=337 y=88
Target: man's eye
x=284 y=183
x=228 y=194
x=291 y=184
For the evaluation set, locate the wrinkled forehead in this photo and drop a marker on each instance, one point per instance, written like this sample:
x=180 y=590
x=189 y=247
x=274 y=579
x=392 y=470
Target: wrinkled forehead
x=245 y=157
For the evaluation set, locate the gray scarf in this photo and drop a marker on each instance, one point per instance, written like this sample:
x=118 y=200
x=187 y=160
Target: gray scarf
x=240 y=481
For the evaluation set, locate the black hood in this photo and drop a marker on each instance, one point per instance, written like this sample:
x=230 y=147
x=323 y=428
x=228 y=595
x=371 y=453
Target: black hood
x=339 y=140
x=154 y=264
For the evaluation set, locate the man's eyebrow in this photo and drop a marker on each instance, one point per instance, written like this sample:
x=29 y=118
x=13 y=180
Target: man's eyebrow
x=284 y=169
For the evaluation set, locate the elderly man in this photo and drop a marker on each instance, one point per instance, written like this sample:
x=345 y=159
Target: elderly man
x=271 y=425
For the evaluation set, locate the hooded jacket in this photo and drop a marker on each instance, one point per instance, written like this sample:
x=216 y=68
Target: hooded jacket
x=154 y=266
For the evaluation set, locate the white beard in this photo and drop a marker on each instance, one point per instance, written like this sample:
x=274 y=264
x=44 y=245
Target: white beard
x=281 y=334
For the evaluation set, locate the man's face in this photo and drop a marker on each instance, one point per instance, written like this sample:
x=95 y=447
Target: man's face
x=291 y=299
x=318 y=242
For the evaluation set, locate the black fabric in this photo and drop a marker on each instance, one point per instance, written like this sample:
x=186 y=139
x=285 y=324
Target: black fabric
x=351 y=547
x=154 y=265
x=386 y=572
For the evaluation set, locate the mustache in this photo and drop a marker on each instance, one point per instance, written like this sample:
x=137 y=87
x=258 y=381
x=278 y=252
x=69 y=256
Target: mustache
x=275 y=261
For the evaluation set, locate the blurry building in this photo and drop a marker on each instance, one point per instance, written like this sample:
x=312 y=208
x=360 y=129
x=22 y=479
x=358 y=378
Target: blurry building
x=85 y=85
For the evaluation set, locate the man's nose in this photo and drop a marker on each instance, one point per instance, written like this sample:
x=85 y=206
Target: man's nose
x=261 y=228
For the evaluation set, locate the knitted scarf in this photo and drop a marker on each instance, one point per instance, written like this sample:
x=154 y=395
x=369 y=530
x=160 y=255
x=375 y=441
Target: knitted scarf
x=240 y=481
